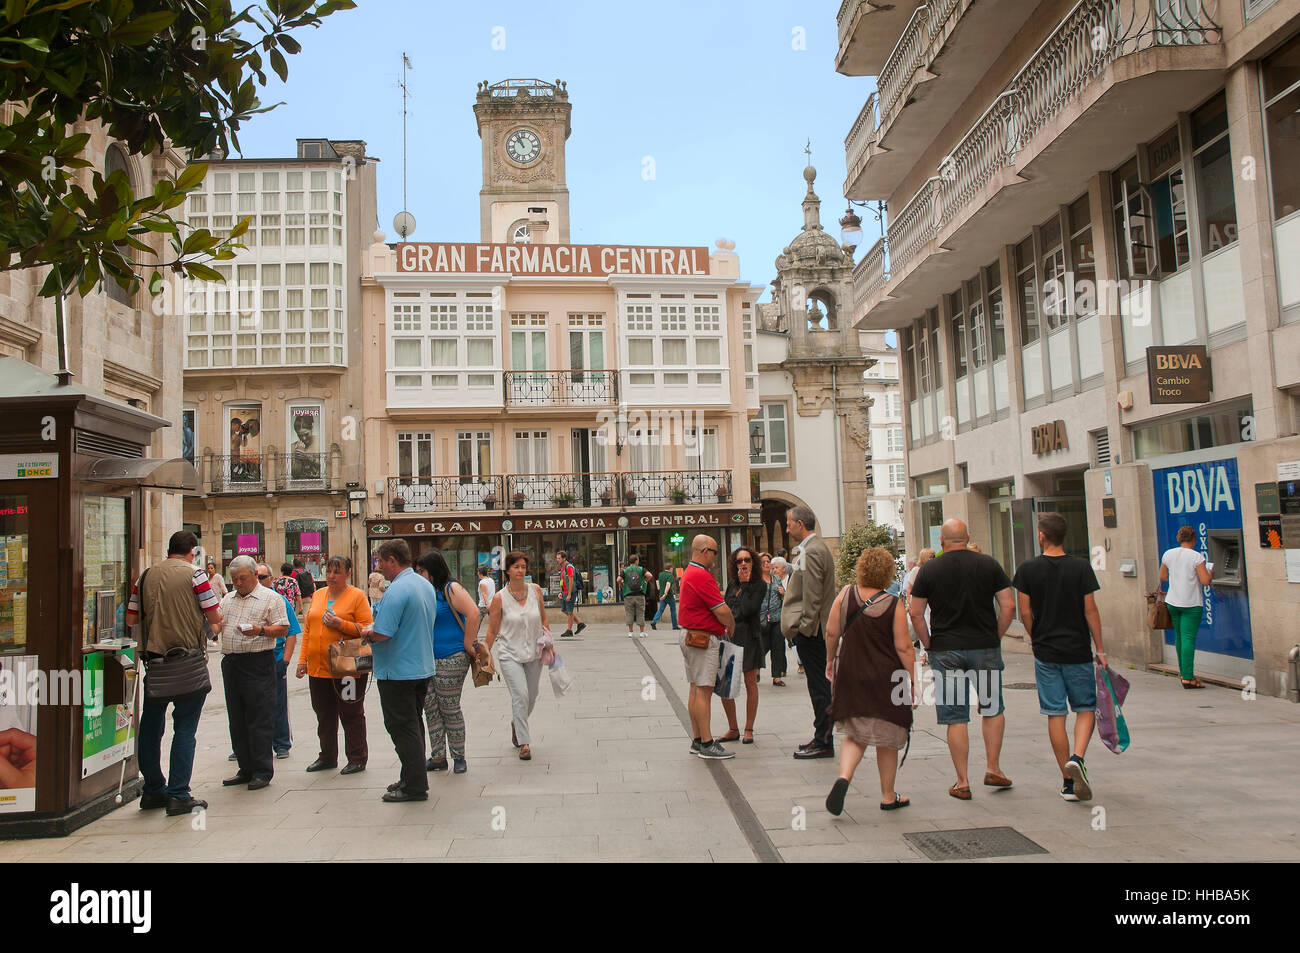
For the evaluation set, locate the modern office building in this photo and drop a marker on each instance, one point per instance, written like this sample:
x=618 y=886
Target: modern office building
x=526 y=393
x=273 y=404
x=886 y=456
x=1091 y=260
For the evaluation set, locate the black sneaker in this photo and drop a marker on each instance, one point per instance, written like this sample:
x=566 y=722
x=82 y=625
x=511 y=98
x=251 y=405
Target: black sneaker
x=713 y=751
x=566 y=634
x=432 y=765
x=653 y=626
x=695 y=748
x=1076 y=772
x=1067 y=791
x=835 y=800
x=578 y=630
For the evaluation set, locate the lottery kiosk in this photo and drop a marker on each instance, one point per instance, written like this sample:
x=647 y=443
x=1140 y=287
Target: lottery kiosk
x=73 y=476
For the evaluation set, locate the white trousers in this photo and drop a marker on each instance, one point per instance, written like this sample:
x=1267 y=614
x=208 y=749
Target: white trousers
x=523 y=680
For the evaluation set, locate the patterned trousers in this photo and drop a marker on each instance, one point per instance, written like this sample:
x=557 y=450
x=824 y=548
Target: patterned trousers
x=442 y=707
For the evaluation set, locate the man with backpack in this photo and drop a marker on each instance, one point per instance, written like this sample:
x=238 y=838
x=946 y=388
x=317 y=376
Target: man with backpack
x=634 y=586
x=570 y=590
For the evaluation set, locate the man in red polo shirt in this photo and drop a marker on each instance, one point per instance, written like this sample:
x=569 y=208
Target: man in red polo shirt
x=703 y=609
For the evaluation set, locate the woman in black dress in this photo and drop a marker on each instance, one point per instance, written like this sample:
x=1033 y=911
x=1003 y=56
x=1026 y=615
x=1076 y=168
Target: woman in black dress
x=745 y=594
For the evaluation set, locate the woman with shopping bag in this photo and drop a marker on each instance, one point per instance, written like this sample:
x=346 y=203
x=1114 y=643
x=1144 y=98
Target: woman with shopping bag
x=745 y=594
x=516 y=620
x=1185 y=570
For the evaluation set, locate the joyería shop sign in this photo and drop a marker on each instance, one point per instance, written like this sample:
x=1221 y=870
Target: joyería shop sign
x=1179 y=375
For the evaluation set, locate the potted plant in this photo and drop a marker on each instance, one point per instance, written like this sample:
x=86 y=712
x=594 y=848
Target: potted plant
x=677 y=493
x=723 y=493
x=606 y=495
x=490 y=499
x=399 y=504
x=629 y=496
x=563 y=499
x=519 y=499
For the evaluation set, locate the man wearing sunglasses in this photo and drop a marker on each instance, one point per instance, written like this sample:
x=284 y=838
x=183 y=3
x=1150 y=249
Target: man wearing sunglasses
x=703 y=612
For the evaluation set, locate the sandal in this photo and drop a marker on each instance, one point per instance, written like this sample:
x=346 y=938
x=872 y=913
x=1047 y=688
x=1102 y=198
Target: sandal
x=779 y=682
x=961 y=794
x=732 y=735
x=1193 y=683
x=899 y=801
x=749 y=737
x=525 y=754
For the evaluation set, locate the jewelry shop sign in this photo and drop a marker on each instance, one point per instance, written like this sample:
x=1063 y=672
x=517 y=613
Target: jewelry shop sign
x=1179 y=375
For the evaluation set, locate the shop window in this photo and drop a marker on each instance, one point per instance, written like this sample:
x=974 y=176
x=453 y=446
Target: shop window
x=1194 y=431
x=242 y=538
x=308 y=539
x=770 y=425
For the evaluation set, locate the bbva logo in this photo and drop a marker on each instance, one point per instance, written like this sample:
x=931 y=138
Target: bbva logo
x=1192 y=490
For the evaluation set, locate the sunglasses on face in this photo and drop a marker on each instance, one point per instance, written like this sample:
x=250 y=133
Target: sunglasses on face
x=260 y=576
x=709 y=550
x=743 y=560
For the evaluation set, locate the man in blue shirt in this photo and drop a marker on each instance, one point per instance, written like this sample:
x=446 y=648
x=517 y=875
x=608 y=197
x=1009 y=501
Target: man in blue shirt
x=402 y=637
x=282 y=739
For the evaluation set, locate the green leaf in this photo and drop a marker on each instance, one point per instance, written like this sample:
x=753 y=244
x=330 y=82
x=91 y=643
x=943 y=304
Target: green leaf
x=241 y=227
x=280 y=66
x=162 y=226
x=143 y=28
x=202 y=272
x=197 y=240
x=35 y=43
x=192 y=176
x=289 y=44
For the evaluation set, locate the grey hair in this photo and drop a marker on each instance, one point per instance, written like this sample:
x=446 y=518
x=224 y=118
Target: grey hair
x=779 y=562
x=242 y=562
x=803 y=514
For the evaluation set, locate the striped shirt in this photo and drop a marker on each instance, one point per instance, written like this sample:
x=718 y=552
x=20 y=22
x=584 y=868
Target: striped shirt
x=202 y=592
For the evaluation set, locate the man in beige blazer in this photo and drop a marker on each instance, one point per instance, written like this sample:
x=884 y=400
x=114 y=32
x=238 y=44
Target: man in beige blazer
x=804 y=615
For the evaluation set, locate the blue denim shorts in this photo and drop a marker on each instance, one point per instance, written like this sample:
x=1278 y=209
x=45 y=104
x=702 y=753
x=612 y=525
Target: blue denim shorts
x=1059 y=681
x=960 y=674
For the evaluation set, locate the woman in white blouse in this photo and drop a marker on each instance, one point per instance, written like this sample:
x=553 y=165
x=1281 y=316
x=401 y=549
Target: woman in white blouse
x=516 y=619
x=1185 y=569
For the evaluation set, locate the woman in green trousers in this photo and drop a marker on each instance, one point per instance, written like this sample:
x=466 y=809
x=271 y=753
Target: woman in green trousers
x=1185 y=569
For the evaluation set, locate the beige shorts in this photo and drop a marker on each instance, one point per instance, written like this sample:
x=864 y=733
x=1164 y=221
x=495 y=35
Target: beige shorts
x=701 y=664
x=634 y=609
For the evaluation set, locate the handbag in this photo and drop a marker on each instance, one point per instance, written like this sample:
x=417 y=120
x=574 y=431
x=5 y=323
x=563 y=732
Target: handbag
x=698 y=638
x=350 y=657
x=1157 y=612
x=180 y=671
x=731 y=679
x=482 y=667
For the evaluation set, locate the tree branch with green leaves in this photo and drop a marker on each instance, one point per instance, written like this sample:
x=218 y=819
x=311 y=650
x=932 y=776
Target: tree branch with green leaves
x=158 y=75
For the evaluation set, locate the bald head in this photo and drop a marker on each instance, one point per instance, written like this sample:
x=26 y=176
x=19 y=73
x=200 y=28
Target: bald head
x=953 y=534
x=704 y=550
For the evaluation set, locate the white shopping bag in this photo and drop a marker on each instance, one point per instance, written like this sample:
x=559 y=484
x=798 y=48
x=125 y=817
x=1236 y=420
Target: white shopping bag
x=561 y=681
x=731 y=679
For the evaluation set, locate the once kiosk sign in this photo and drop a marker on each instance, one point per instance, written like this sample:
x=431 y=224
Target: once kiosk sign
x=23 y=466
x=1179 y=375
x=583 y=261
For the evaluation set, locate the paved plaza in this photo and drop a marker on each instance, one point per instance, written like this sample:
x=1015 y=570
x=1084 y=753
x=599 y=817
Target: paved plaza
x=1210 y=776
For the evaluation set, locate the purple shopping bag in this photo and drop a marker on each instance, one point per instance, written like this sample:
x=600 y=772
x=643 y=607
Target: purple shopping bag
x=1112 y=689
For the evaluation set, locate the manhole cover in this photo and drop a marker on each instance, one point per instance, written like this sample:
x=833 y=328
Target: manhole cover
x=1020 y=686
x=973 y=844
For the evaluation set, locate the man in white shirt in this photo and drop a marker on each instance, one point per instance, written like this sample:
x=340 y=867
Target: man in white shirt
x=252 y=618
x=487 y=588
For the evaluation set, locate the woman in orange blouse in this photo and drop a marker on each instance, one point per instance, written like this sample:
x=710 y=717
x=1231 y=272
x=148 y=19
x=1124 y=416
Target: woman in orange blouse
x=338 y=611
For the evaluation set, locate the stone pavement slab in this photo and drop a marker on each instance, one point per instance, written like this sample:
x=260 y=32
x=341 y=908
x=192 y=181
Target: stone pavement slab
x=1210 y=776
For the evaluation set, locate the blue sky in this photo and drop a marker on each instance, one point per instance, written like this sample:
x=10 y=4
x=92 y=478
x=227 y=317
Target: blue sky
x=714 y=91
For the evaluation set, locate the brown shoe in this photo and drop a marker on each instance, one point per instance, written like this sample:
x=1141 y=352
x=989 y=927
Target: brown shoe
x=996 y=780
x=525 y=754
x=961 y=794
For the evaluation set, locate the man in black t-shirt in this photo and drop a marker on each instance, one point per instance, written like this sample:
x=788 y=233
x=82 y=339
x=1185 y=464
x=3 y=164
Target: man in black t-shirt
x=1062 y=625
x=964 y=638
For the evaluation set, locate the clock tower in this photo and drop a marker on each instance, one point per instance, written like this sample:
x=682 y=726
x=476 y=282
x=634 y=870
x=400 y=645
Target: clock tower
x=523 y=124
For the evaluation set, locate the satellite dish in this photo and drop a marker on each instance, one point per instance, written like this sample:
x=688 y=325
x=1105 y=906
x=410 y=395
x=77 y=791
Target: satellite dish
x=404 y=224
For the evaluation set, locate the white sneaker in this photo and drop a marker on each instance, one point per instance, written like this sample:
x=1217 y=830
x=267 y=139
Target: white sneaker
x=629 y=633
x=642 y=633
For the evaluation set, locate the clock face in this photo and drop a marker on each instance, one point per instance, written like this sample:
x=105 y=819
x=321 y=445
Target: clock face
x=523 y=146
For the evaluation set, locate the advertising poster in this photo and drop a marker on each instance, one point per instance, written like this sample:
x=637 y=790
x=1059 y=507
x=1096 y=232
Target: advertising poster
x=17 y=734
x=245 y=444
x=108 y=734
x=309 y=543
x=304 y=444
x=247 y=544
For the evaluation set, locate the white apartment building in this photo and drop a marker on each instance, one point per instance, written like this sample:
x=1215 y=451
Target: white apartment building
x=886 y=454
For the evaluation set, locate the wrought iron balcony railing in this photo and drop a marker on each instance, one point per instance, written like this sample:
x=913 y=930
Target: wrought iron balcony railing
x=560 y=388
x=267 y=472
x=428 y=493
x=528 y=491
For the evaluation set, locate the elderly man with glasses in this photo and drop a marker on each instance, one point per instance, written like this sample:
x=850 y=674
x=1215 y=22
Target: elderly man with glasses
x=252 y=619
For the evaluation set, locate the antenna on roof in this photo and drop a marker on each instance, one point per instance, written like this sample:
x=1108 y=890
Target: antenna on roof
x=404 y=223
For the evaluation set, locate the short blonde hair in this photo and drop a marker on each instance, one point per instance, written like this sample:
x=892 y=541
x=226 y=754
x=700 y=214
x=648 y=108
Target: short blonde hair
x=875 y=568
x=924 y=557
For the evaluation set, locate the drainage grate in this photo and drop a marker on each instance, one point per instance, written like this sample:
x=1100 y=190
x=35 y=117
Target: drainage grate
x=973 y=844
x=1020 y=686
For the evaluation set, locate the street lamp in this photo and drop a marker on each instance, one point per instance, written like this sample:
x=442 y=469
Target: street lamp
x=851 y=228
x=755 y=441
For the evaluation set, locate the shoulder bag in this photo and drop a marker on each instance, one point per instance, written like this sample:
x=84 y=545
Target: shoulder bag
x=1157 y=612
x=350 y=657
x=178 y=673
